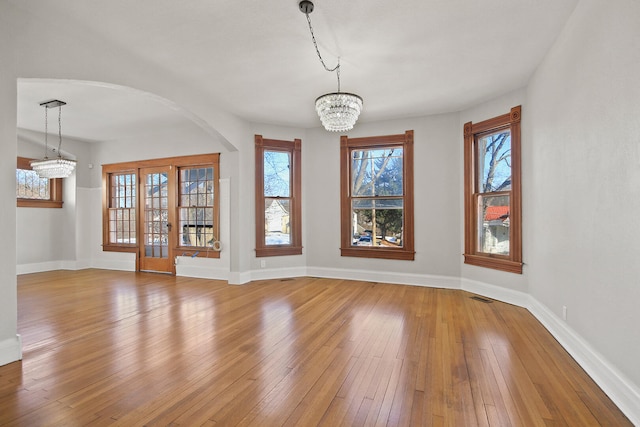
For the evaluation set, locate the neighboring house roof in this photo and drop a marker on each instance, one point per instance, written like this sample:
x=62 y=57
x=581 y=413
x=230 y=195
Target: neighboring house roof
x=277 y=206
x=496 y=212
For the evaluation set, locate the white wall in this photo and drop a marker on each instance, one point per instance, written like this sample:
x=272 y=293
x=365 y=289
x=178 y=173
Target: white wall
x=278 y=266
x=581 y=168
x=584 y=179
x=46 y=238
x=10 y=348
x=437 y=211
x=492 y=108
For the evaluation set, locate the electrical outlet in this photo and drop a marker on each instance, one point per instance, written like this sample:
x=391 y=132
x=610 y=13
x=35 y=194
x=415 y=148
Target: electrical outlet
x=263 y=263
x=564 y=312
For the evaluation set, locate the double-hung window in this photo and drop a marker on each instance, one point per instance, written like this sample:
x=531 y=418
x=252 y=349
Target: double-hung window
x=493 y=236
x=376 y=176
x=121 y=209
x=278 y=197
x=196 y=207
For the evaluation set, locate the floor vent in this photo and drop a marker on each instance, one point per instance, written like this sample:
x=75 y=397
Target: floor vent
x=486 y=300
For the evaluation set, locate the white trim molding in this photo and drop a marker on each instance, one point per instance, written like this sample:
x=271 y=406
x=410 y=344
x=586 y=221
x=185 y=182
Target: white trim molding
x=239 y=277
x=278 y=273
x=499 y=293
x=10 y=350
x=623 y=392
x=201 y=268
x=432 y=281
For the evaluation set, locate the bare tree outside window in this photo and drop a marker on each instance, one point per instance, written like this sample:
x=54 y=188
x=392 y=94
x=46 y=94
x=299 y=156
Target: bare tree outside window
x=376 y=191
x=493 y=206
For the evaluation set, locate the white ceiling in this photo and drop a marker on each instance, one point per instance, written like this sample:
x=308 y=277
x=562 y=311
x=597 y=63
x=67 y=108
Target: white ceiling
x=405 y=58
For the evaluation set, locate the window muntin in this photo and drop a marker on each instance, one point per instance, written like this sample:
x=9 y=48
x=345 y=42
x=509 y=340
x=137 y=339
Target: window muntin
x=377 y=196
x=133 y=210
x=493 y=236
x=155 y=233
x=33 y=191
x=493 y=185
x=196 y=207
x=30 y=186
x=278 y=197
x=122 y=208
x=277 y=200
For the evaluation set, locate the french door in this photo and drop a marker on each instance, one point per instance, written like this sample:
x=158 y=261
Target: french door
x=156 y=218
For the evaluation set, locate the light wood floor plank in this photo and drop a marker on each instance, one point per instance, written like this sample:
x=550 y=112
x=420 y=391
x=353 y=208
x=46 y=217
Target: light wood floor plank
x=106 y=348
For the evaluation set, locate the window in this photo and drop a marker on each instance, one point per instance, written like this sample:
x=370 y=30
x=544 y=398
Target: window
x=278 y=197
x=196 y=207
x=493 y=236
x=122 y=208
x=33 y=191
x=376 y=187
x=144 y=200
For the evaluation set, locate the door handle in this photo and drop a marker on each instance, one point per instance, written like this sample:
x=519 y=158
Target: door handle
x=169 y=226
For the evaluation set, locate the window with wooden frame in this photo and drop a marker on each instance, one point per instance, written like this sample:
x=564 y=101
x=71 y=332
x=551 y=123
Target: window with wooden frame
x=122 y=209
x=278 y=197
x=197 y=210
x=139 y=216
x=492 y=197
x=33 y=191
x=376 y=189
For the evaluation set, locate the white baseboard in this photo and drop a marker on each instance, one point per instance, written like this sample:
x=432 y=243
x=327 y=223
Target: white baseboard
x=201 y=272
x=623 y=392
x=39 y=267
x=499 y=293
x=122 y=265
x=433 y=281
x=72 y=265
x=239 y=278
x=82 y=264
x=10 y=350
x=278 y=273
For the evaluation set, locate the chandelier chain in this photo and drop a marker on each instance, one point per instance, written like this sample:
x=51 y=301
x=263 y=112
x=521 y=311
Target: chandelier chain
x=59 y=130
x=46 y=132
x=315 y=44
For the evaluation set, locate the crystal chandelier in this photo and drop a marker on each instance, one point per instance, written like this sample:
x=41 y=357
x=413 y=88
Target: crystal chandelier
x=338 y=111
x=58 y=167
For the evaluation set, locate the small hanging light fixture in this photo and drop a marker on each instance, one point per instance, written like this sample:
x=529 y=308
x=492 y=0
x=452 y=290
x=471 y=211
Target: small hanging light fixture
x=58 y=167
x=338 y=111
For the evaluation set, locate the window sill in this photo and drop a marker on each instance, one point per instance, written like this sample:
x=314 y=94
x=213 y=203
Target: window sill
x=120 y=248
x=35 y=203
x=493 y=262
x=278 y=251
x=382 y=253
x=196 y=252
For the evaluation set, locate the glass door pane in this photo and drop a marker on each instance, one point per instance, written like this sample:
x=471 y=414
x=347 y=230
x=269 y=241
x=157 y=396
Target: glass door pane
x=155 y=254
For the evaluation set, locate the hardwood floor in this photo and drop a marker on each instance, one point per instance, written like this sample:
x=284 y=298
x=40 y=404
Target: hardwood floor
x=120 y=348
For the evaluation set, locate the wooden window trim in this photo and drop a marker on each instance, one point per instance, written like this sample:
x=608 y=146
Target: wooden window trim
x=55 y=190
x=405 y=140
x=175 y=163
x=107 y=171
x=513 y=262
x=294 y=148
x=200 y=251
